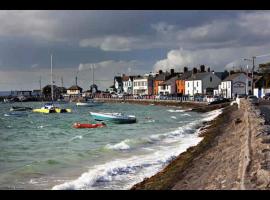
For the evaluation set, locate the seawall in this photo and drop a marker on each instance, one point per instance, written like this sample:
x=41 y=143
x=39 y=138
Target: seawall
x=234 y=154
x=193 y=105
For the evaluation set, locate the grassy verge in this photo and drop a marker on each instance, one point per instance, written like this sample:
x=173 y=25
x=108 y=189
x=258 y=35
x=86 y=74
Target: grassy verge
x=169 y=176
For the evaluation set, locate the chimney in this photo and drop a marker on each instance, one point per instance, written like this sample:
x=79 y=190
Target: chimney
x=202 y=67
x=172 y=71
x=185 y=69
x=208 y=69
x=160 y=71
x=194 y=70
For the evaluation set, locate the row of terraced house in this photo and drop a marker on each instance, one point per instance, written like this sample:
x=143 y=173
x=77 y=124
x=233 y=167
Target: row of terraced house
x=192 y=82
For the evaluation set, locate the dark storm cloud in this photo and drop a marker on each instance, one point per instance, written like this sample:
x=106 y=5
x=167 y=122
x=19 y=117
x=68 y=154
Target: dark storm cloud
x=144 y=38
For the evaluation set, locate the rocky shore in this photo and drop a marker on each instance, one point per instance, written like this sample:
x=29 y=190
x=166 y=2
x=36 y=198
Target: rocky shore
x=234 y=154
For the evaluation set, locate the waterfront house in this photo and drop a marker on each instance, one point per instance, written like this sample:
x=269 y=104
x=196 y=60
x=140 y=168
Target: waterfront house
x=180 y=81
x=201 y=83
x=168 y=87
x=235 y=84
x=160 y=78
x=74 y=90
x=143 y=85
x=118 y=84
x=127 y=84
x=46 y=91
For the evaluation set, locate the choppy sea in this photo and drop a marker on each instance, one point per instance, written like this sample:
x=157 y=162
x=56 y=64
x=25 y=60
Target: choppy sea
x=43 y=151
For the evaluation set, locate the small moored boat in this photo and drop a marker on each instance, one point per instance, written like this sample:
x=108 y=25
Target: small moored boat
x=15 y=114
x=114 y=117
x=79 y=125
x=20 y=108
x=88 y=103
x=51 y=108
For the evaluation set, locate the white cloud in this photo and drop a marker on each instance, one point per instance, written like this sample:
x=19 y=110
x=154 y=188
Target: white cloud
x=111 y=43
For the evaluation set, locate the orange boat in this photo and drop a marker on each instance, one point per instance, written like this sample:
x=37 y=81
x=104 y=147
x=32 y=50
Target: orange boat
x=79 y=125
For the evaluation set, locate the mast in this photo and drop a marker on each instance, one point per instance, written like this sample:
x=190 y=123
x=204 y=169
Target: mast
x=51 y=78
x=93 y=67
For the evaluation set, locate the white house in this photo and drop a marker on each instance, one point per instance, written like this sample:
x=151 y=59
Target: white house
x=201 y=83
x=143 y=85
x=168 y=87
x=128 y=84
x=74 y=90
x=235 y=84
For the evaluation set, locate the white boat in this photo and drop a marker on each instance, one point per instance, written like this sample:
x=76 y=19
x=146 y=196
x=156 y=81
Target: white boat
x=114 y=117
x=88 y=103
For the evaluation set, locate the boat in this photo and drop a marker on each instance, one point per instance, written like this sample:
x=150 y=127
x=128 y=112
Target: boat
x=20 y=108
x=50 y=107
x=114 y=117
x=15 y=114
x=79 y=125
x=88 y=103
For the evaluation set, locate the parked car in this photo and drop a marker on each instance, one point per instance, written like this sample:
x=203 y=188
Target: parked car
x=267 y=96
x=253 y=99
x=219 y=100
x=241 y=96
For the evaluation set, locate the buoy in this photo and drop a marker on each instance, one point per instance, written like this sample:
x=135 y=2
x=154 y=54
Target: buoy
x=79 y=125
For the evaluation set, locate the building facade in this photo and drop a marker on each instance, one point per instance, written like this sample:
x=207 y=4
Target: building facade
x=201 y=83
x=235 y=84
x=128 y=84
x=143 y=85
x=118 y=84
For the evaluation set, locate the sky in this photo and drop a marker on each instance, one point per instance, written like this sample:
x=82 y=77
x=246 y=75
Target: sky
x=124 y=42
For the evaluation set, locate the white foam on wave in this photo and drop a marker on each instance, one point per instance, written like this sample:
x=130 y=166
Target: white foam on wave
x=119 y=146
x=173 y=117
x=186 y=114
x=209 y=116
x=76 y=137
x=123 y=173
x=173 y=111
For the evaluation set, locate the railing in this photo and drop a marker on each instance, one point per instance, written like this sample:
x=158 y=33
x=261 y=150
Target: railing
x=151 y=98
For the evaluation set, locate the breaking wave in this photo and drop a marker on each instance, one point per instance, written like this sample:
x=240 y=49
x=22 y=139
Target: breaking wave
x=124 y=173
x=173 y=111
x=119 y=146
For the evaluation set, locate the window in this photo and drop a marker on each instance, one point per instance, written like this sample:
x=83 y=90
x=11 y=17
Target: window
x=249 y=83
x=197 y=83
x=188 y=84
x=210 y=78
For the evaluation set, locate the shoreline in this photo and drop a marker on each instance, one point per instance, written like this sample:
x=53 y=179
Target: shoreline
x=192 y=105
x=166 y=178
x=234 y=154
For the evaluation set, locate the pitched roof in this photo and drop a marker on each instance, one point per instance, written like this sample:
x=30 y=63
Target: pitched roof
x=169 y=81
x=233 y=76
x=185 y=75
x=75 y=87
x=199 y=76
x=163 y=76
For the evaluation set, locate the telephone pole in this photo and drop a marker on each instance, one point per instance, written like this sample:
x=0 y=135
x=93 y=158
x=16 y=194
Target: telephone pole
x=252 y=72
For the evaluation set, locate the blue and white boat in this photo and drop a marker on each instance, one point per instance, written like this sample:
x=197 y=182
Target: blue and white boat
x=114 y=117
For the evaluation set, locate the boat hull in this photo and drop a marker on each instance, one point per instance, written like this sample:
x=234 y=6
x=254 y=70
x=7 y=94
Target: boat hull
x=56 y=110
x=114 y=119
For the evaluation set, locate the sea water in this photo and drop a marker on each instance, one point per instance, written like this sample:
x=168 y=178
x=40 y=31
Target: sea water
x=43 y=151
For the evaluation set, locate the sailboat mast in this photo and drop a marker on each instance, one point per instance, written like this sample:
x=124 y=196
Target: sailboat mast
x=93 y=67
x=51 y=78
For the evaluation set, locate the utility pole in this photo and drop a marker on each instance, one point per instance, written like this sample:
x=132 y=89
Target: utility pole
x=252 y=72
x=51 y=77
x=62 y=82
